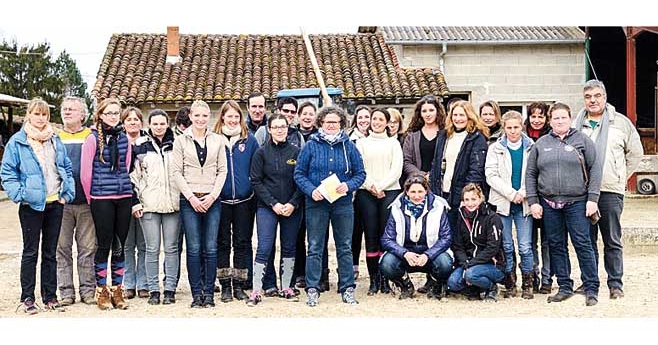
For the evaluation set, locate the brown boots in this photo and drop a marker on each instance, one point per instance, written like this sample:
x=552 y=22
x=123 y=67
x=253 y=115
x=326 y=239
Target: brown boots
x=103 y=298
x=117 y=297
x=108 y=298
x=527 y=285
x=510 y=285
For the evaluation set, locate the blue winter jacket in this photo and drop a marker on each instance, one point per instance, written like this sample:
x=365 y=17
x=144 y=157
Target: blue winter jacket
x=238 y=187
x=22 y=177
x=319 y=159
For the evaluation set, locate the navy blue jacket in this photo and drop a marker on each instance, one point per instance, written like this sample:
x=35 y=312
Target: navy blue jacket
x=468 y=168
x=238 y=186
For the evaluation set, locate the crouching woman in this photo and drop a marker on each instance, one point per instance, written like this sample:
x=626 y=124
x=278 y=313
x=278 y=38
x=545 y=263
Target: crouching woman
x=476 y=243
x=417 y=238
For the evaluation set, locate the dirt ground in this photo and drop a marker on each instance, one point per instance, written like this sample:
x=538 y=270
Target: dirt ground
x=640 y=286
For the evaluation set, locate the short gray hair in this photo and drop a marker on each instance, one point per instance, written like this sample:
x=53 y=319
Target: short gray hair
x=593 y=83
x=81 y=101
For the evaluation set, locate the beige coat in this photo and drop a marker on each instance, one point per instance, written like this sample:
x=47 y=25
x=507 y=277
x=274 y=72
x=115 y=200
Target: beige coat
x=498 y=171
x=189 y=175
x=153 y=182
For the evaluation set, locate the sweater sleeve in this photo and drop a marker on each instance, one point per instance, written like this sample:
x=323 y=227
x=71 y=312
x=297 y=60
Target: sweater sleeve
x=302 y=169
x=445 y=237
x=368 y=182
x=394 y=169
x=87 y=164
x=531 y=175
x=388 y=240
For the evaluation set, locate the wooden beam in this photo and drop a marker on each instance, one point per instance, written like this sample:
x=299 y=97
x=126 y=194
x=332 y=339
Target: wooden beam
x=631 y=111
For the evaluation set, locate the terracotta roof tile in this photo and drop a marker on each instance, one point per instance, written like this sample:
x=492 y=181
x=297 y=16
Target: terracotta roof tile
x=221 y=67
x=469 y=34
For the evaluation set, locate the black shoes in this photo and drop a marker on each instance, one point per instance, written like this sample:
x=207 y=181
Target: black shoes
x=591 y=300
x=580 y=290
x=197 y=302
x=559 y=297
x=492 y=294
x=154 y=298
x=437 y=291
x=208 y=301
x=169 y=297
x=428 y=284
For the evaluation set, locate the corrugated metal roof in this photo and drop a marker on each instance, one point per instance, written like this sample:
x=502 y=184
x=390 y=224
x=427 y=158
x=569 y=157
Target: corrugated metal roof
x=482 y=34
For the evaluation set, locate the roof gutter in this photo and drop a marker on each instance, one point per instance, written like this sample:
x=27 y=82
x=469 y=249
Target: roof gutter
x=507 y=42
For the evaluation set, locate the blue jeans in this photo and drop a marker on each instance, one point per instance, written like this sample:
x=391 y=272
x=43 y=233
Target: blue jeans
x=394 y=268
x=611 y=206
x=318 y=216
x=267 y=222
x=484 y=276
x=201 y=230
x=134 y=275
x=571 y=219
x=523 y=236
x=165 y=226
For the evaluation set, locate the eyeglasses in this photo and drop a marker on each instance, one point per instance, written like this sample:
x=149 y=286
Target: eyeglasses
x=113 y=114
x=274 y=128
x=288 y=111
x=333 y=123
x=70 y=109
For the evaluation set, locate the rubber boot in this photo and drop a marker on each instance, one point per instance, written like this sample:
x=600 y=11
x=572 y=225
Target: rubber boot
x=384 y=287
x=224 y=276
x=527 y=285
x=373 y=273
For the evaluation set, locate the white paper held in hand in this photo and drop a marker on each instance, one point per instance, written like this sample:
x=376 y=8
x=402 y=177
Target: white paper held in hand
x=328 y=188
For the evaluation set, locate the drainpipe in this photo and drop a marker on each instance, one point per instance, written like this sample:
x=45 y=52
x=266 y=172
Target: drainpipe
x=442 y=64
x=587 y=48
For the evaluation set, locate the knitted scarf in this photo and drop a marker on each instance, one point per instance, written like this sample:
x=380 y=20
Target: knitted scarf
x=329 y=138
x=233 y=135
x=37 y=139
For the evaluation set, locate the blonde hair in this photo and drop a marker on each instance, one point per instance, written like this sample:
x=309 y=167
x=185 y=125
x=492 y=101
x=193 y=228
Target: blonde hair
x=228 y=105
x=474 y=122
x=511 y=115
x=37 y=104
x=199 y=104
x=98 y=124
x=395 y=115
x=472 y=187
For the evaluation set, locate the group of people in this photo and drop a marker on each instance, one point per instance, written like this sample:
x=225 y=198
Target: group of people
x=441 y=197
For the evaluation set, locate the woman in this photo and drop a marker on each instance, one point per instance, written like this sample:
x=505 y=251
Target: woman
x=36 y=173
x=360 y=126
x=278 y=205
x=237 y=222
x=563 y=185
x=382 y=160
x=307 y=119
x=505 y=171
x=104 y=173
x=536 y=126
x=417 y=238
x=395 y=127
x=157 y=205
x=329 y=153
x=490 y=116
x=199 y=172
x=135 y=270
x=420 y=144
x=461 y=150
x=476 y=243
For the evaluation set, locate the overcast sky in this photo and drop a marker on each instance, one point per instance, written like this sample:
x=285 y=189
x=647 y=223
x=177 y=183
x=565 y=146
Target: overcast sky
x=84 y=28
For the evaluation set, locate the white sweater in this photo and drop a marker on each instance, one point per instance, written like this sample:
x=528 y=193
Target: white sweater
x=382 y=160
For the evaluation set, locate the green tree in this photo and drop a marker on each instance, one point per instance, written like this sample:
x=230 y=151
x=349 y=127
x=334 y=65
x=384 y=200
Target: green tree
x=30 y=71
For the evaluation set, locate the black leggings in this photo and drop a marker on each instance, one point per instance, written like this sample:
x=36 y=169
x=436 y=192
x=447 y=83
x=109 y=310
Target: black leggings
x=111 y=219
x=374 y=215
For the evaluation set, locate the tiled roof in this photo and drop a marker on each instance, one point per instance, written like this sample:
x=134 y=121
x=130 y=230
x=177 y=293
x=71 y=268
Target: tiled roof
x=481 y=34
x=221 y=67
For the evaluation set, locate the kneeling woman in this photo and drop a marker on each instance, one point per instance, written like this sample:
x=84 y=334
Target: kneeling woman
x=476 y=242
x=279 y=198
x=417 y=238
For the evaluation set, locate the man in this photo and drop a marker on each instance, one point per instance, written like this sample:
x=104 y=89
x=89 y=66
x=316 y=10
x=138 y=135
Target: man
x=286 y=106
x=256 y=111
x=618 y=153
x=77 y=222
x=182 y=120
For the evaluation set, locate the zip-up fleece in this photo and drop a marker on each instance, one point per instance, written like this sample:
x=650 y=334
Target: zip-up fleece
x=272 y=171
x=237 y=187
x=436 y=235
x=481 y=244
x=555 y=171
x=498 y=169
x=155 y=190
x=469 y=166
x=319 y=159
x=22 y=176
x=189 y=175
